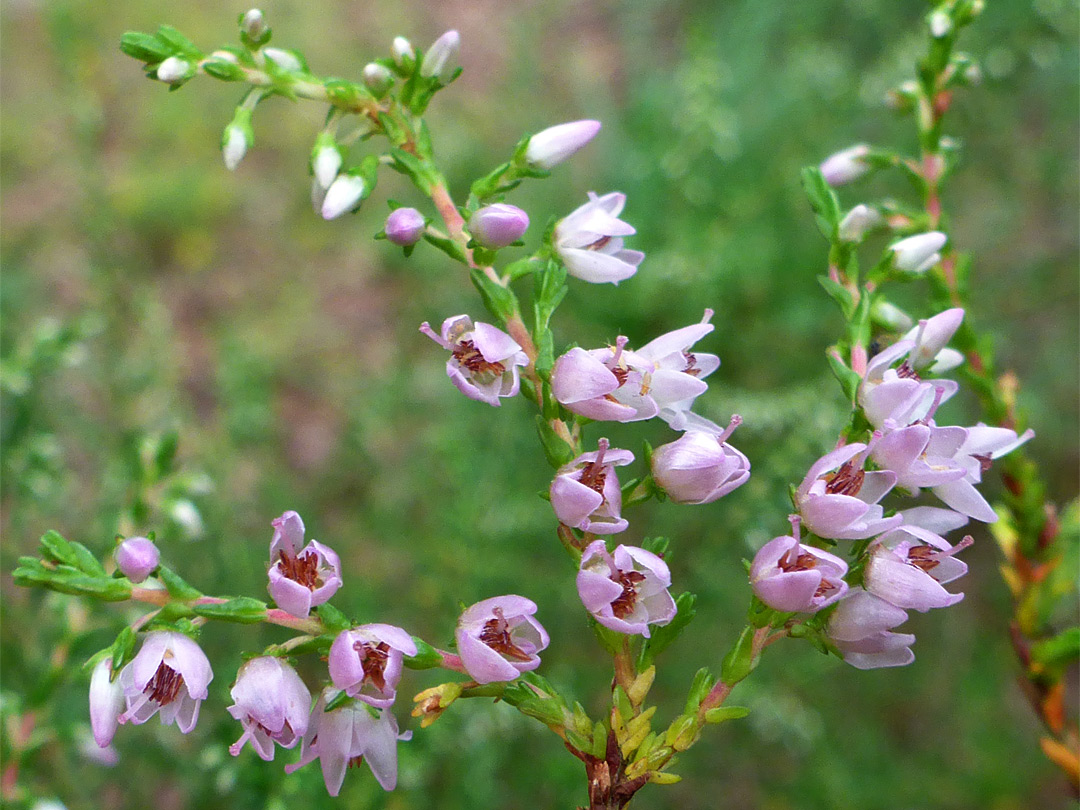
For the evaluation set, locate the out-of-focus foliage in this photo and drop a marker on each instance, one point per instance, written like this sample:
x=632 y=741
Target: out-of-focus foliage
x=145 y=288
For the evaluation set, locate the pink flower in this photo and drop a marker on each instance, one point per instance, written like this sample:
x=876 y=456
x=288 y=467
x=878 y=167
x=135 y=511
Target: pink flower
x=589 y=241
x=366 y=662
x=348 y=735
x=272 y=704
x=170 y=674
x=791 y=577
x=700 y=467
x=300 y=579
x=498 y=638
x=498 y=225
x=484 y=359
x=626 y=590
x=843 y=505
x=921 y=455
x=585 y=493
x=860 y=628
x=908 y=567
x=404 y=226
x=553 y=145
x=981 y=445
x=136 y=557
x=662 y=378
x=106 y=702
x=899 y=397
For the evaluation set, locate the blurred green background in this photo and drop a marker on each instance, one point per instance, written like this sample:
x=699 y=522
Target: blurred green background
x=146 y=288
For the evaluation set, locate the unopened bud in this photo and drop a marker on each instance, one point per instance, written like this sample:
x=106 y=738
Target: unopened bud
x=325 y=160
x=857 y=222
x=496 y=226
x=405 y=226
x=891 y=316
x=940 y=24
x=173 y=70
x=555 y=144
x=286 y=60
x=402 y=52
x=918 y=253
x=378 y=79
x=343 y=195
x=136 y=557
x=846 y=166
x=253 y=26
x=440 y=61
x=237 y=138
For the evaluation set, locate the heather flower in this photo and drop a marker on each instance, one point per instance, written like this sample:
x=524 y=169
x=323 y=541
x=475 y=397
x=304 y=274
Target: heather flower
x=136 y=557
x=589 y=241
x=253 y=25
x=930 y=337
x=918 y=253
x=585 y=493
x=982 y=444
x=553 y=145
x=498 y=638
x=366 y=662
x=440 y=61
x=272 y=704
x=791 y=577
x=838 y=499
x=908 y=567
x=626 y=590
x=170 y=674
x=496 y=226
x=846 y=166
x=700 y=467
x=405 y=226
x=348 y=735
x=860 y=628
x=106 y=702
x=662 y=378
x=484 y=359
x=857 y=222
x=899 y=396
x=300 y=579
x=921 y=455
x=344 y=195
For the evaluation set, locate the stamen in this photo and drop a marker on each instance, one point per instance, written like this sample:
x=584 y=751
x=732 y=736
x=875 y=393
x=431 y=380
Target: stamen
x=468 y=356
x=599 y=243
x=691 y=364
x=620 y=344
x=303 y=568
x=165 y=686
x=905 y=372
x=848 y=480
x=625 y=603
x=373 y=659
x=736 y=420
x=496 y=634
x=594 y=474
x=985 y=461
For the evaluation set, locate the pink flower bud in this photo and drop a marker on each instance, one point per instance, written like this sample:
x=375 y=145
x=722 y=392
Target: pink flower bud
x=846 y=166
x=553 y=145
x=136 y=557
x=377 y=78
x=496 y=226
x=627 y=590
x=405 y=226
x=440 y=61
x=498 y=638
x=700 y=467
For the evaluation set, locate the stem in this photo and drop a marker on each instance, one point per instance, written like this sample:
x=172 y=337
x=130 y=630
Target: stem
x=719 y=693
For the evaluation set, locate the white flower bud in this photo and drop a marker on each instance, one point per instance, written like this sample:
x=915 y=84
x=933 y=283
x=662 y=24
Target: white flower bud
x=940 y=24
x=173 y=70
x=225 y=56
x=440 y=61
x=555 y=144
x=326 y=163
x=918 y=253
x=402 y=51
x=344 y=194
x=378 y=79
x=857 y=222
x=846 y=166
x=234 y=146
x=253 y=24
x=891 y=316
x=286 y=60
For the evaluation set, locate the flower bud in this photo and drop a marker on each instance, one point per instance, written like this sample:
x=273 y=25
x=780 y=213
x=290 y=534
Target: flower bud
x=402 y=52
x=136 y=558
x=846 y=166
x=405 y=226
x=378 y=79
x=555 y=144
x=891 y=316
x=173 y=70
x=344 y=194
x=236 y=139
x=940 y=24
x=918 y=253
x=325 y=160
x=106 y=703
x=253 y=26
x=498 y=225
x=857 y=222
x=286 y=60
x=440 y=61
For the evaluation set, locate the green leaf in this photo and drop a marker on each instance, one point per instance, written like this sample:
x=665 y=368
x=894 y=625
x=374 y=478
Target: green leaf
x=180 y=45
x=85 y=560
x=699 y=688
x=144 y=47
x=849 y=380
x=488 y=185
x=122 y=649
x=665 y=635
x=558 y=452
x=332 y=618
x=740 y=661
x=447 y=246
x=176 y=586
x=500 y=300
x=840 y=294
x=822 y=200
x=339 y=700
x=426 y=656
x=241 y=609
x=1058 y=652
x=721 y=714
x=223 y=69
x=54 y=547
